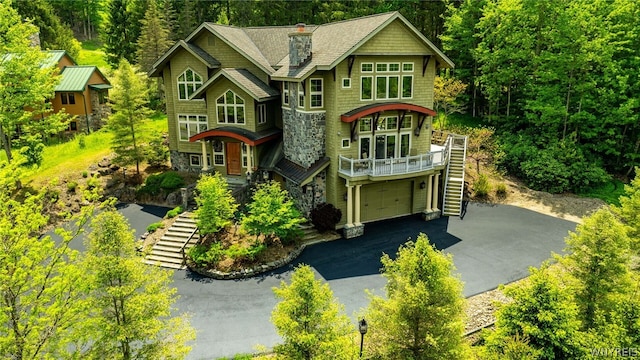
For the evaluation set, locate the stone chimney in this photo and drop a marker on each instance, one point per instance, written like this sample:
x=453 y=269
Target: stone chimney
x=299 y=47
x=34 y=40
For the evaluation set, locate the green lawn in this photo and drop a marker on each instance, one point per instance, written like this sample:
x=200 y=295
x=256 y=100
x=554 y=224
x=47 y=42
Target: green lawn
x=457 y=120
x=609 y=192
x=92 y=54
x=70 y=159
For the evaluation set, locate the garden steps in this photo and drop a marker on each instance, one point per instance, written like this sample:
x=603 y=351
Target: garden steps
x=454 y=181
x=168 y=251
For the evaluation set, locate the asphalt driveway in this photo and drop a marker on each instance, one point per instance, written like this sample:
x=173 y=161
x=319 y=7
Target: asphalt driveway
x=492 y=246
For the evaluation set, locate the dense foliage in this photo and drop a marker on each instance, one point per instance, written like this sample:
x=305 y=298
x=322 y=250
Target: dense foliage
x=272 y=213
x=422 y=316
x=325 y=217
x=557 y=81
x=310 y=321
x=216 y=205
x=165 y=182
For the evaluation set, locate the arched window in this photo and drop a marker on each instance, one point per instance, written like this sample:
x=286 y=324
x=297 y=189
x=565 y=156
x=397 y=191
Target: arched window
x=230 y=108
x=188 y=82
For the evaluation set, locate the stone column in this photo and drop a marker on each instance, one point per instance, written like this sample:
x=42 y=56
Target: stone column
x=429 y=193
x=349 y=206
x=435 y=192
x=357 y=201
x=205 y=166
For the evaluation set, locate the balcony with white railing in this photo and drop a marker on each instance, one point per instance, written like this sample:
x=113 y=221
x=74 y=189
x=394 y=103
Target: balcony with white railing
x=373 y=168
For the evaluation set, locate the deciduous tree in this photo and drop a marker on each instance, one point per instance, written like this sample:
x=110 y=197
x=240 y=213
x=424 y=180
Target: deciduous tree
x=422 y=316
x=446 y=97
x=129 y=97
x=216 y=205
x=309 y=319
x=272 y=213
x=131 y=302
x=25 y=87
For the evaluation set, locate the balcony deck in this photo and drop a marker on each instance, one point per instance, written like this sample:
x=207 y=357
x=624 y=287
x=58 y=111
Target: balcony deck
x=378 y=168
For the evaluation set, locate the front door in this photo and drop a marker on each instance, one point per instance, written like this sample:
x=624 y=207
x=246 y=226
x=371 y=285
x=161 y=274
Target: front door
x=234 y=158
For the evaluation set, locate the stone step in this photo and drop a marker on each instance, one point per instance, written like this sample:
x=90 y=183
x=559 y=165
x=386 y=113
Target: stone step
x=165 y=259
x=167 y=265
x=170 y=254
x=174 y=238
x=181 y=229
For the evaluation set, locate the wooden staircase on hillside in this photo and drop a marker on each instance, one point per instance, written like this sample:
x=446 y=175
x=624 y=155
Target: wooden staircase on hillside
x=454 y=180
x=168 y=251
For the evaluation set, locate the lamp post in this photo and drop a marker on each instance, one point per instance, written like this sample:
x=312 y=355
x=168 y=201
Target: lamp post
x=362 y=326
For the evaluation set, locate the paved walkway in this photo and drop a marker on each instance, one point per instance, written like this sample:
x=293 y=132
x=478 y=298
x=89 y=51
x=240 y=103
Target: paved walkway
x=493 y=245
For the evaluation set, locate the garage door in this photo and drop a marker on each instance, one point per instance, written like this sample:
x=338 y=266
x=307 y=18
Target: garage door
x=385 y=200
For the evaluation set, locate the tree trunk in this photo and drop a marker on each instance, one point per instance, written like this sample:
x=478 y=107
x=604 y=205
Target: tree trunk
x=6 y=143
x=508 y=98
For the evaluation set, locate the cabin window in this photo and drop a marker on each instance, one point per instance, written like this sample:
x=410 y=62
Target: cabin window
x=230 y=108
x=316 y=93
x=68 y=98
x=188 y=82
x=346 y=83
x=262 y=113
x=218 y=152
x=189 y=125
x=285 y=93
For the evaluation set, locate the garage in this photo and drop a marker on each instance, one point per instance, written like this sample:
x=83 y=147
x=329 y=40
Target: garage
x=386 y=199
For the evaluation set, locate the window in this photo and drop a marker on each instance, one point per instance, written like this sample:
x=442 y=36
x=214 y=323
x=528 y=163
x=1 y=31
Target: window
x=387 y=142
x=365 y=147
x=262 y=113
x=346 y=143
x=406 y=122
x=102 y=97
x=366 y=67
x=405 y=144
x=301 y=95
x=244 y=156
x=68 y=98
x=189 y=125
x=346 y=83
x=392 y=123
x=365 y=88
x=385 y=146
x=387 y=87
x=218 y=152
x=285 y=93
x=407 y=67
x=230 y=108
x=316 y=93
x=188 y=82
x=365 y=125
x=394 y=67
x=73 y=126
x=381 y=67
x=407 y=86
x=194 y=160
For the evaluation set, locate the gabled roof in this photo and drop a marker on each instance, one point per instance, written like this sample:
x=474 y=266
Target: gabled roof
x=75 y=78
x=273 y=41
x=239 y=41
x=333 y=42
x=53 y=57
x=194 y=50
x=299 y=174
x=245 y=80
x=246 y=136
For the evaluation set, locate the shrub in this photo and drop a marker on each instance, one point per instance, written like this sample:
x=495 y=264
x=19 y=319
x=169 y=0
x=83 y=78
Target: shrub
x=171 y=181
x=85 y=174
x=325 y=217
x=501 y=190
x=71 y=186
x=272 y=213
x=93 y=182
x=204 y=256
x=481 y=187
x=163 y=182
x=174 y=212
x=239 y=253
x=155 y=226
x=81 y=141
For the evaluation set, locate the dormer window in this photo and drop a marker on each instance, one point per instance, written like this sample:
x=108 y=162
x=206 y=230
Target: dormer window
x=188 y=82
x=230 y=108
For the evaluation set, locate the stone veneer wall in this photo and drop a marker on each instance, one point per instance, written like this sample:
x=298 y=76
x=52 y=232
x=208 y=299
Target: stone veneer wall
x=307 y=200
x=304 y=134
x=179 y=161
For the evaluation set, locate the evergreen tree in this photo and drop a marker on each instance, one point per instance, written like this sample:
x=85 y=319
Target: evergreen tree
x=41 y=285
x=129 y=97
x=422 y=316
x=24 y=86
x=131 y=302
x=119 y=33
x=629 y=211
x=310 y=321
x=543 y=312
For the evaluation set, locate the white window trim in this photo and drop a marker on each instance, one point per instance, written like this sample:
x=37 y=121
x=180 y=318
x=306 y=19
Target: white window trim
x=386 y=66
x=401 y=86
x=189 y=121
x=185 y=82
x=224 y=160
x=387 y=90
x=194 y=156
x=408 y=63
x=243 y=150
x=312 y=93
x=225 y=105
x=346 y=87
x=285 y=94
x=393 y=63
x=301 y=94
x=348 y=141
x=406 y=117
x=262 y=114
x=400 y=143
x=364 y=71
x=362 y=88
x=360 y=146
